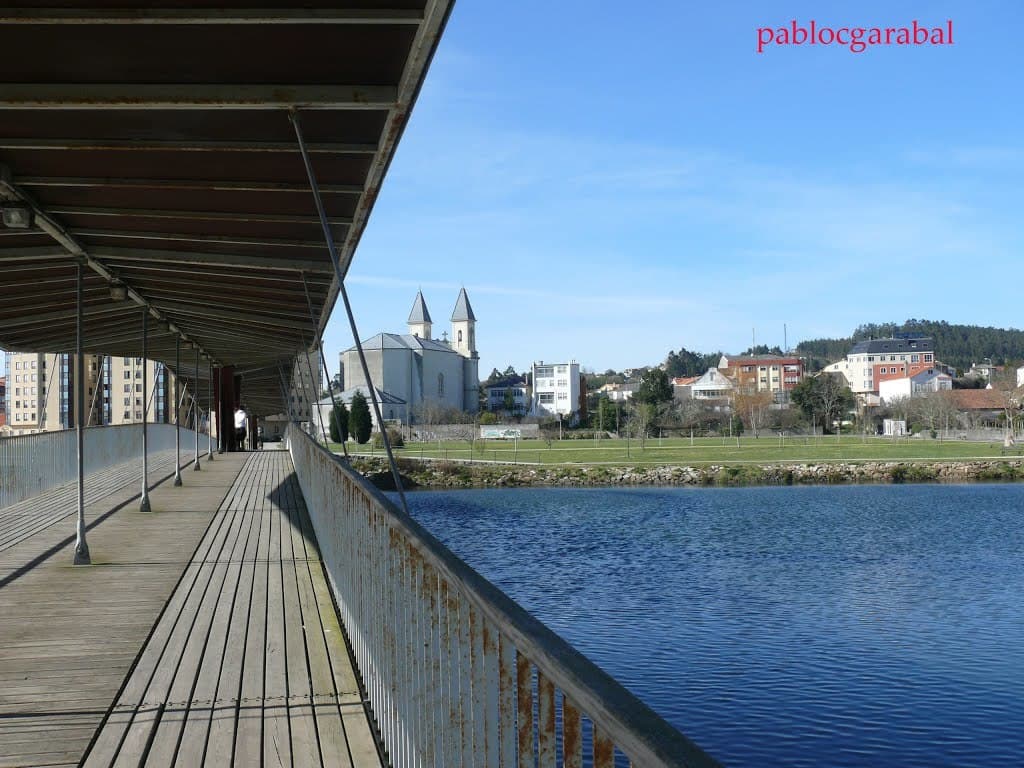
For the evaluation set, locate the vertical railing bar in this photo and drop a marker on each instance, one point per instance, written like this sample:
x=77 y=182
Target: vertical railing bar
x=604 y=749
x=506 y=702
x=524 y=711
x=545 y=722
x=491 y=691
x=572 y=734
x=465 y=683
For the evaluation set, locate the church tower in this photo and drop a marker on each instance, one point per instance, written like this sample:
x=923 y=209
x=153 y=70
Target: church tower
x=464 y=342
x=464 y=327
x=419 y=318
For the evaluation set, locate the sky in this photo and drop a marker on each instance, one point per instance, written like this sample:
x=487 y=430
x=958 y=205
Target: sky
x=611 y=181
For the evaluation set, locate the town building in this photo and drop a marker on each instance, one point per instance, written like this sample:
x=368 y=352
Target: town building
x=43 y=396
x=509 y=394
x=929 y=380
x=777 y=374
x=870 y=362
x=713 y=387
x=557 y=389
x=414 y=371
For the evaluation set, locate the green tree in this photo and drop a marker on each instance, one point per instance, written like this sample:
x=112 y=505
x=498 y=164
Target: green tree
x=360 y=425
x=824 y=398
x=339 y=423
x=655 y=388
x=605 y=415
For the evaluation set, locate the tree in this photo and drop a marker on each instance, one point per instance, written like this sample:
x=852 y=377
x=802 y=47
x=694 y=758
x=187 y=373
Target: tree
x=360 y=425
x=825 y=397
x=605 y=414
x=655 y=388
x=339 y=423
x=753 y=409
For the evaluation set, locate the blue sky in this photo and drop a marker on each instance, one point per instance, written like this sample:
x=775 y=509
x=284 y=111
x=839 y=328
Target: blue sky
x=614 y=180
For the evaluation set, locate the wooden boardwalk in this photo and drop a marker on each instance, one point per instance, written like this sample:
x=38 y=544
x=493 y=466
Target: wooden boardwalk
x=206 y=636
x=29 y=517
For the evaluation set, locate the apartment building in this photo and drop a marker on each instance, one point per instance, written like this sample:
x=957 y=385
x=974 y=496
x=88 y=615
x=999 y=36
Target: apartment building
x=42 y=395
x=777 y=374
x=556 y=389
x=869 y=363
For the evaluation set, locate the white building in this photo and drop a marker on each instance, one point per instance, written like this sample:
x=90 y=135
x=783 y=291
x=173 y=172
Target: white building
x=869 y=363
x=508 y=394
x=1020 y=376
x=926 y=381
x=413 y=370
x=556 y=389
x=711 y=385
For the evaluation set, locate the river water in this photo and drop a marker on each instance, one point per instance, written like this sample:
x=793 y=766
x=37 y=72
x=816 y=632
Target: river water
x=803 y=626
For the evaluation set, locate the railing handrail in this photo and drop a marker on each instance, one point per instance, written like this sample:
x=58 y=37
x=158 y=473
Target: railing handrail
x=88 y=428
x=636 y=728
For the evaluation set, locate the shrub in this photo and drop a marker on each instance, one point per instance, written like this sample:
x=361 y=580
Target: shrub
x=394 y=436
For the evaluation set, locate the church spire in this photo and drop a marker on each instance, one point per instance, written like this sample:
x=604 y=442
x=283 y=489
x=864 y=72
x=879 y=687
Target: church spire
x=463 y=309
x=419 y=318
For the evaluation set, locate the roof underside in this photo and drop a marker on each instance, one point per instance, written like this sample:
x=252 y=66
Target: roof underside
x=154 y=146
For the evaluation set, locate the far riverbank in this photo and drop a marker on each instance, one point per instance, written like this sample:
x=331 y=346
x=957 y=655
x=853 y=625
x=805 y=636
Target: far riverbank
x=436 y=474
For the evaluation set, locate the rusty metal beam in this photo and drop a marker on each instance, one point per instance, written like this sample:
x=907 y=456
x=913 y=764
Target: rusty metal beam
x=193 y=16
x=187 y=238
x=150 y=145
x=163 y=257
x=157 y=213
x=204 y=185
x=65 y=96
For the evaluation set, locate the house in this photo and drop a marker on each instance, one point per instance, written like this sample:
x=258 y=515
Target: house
x=930 y=380
x=714 y=387
x=777 y=374
x=682 y=387
x=392 y=408
x=868 y=363
x=1020 y=376
x=509 y=394
x=414 y=370
x=980 y=406
x=557 y=389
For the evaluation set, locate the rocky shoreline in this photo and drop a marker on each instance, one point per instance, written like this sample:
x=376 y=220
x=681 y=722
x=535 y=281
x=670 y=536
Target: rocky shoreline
x=435 y=474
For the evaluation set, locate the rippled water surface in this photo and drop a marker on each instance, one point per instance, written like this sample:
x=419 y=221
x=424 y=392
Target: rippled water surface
x=875 y=625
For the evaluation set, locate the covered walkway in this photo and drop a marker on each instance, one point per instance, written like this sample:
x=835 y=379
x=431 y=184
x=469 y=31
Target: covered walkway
x=203 y=633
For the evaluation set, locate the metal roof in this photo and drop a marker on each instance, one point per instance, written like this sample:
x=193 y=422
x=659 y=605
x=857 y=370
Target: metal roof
x=155 y=146
x=463 y=309
x=916 y=344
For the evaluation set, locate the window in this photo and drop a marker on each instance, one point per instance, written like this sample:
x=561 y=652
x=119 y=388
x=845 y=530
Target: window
x=440 y=385
x=915 y=358
x=127 y=415
x=138 y=387
x=127 y=401
x=563 y=382
x=138 y=374
x=927 y=358
x=127 y=374
x=33 y=377
x=127 y=387
x=545 y=397
x=545 y=371
x=563 y=396
x=17 y=366
x=33 y=365
x=460 y=337
x=871 y=358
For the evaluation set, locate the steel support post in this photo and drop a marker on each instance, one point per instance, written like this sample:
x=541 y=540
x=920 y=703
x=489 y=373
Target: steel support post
x=81 y=547
x=195 y=465
x=144 y=504
x=336 y=263
x=209 y=418
x=177 y=411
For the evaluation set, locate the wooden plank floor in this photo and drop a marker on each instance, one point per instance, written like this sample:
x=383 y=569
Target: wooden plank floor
x=29 y=517
x=247 y=665
x=70 y=634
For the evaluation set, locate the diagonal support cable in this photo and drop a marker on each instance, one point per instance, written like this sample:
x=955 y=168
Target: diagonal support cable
x=332 y=249
x=323 y=361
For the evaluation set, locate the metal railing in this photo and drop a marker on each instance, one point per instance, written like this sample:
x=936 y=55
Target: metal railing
x=456 y=673
x=31 y=464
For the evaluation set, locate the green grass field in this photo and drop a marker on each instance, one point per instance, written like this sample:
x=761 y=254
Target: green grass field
x=679 y=451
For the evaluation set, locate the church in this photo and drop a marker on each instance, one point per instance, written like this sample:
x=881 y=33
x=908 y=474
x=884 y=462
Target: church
x=414 y=369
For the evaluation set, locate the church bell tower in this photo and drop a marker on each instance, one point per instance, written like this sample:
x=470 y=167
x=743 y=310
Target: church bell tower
x=464 y=327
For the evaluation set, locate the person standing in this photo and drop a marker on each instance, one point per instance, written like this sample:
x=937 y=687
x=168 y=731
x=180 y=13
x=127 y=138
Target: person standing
x=241 y=425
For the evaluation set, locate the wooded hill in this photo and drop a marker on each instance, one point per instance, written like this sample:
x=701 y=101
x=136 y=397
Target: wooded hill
x=956 y=345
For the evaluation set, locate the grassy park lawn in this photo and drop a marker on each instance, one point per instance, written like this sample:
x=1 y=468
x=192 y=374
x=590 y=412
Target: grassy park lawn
x=680 y=451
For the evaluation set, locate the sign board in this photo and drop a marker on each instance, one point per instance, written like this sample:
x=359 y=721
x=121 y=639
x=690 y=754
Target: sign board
x=500 y=433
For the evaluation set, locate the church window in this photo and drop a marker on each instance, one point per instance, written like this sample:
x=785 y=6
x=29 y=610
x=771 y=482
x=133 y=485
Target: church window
x=460 y=337
x=440 y=385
